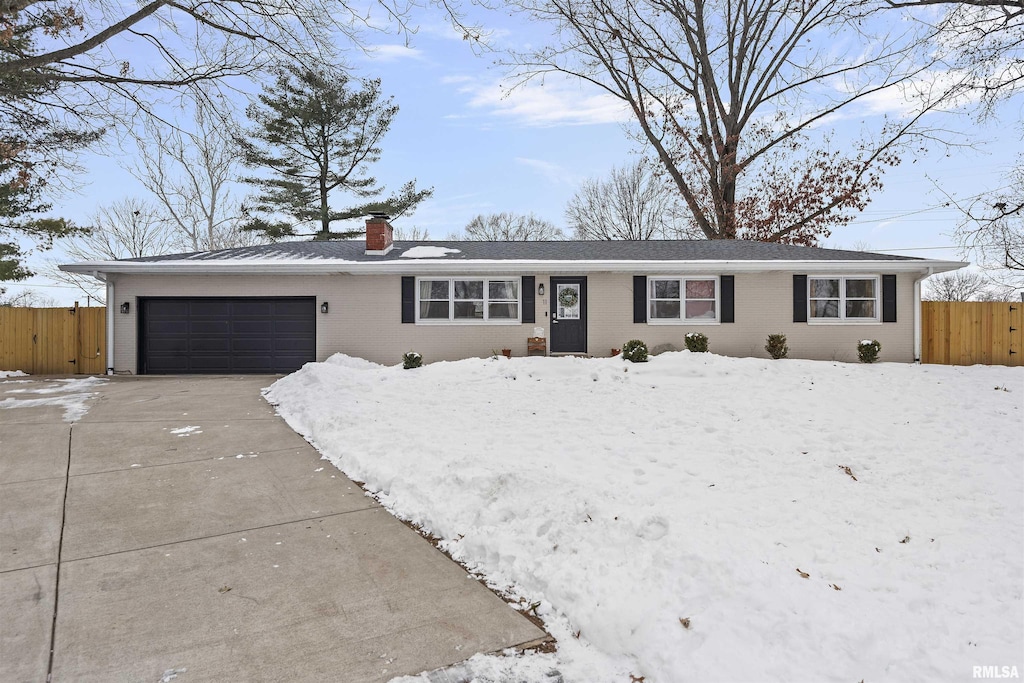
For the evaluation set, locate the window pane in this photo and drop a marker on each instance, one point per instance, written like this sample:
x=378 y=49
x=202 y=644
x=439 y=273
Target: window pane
x=665 y=289
x=824 y=289
x=434 y=310
x=860 y=288
x=700 y=289
x=700 y=310
x=503 y=311
x=825 y=308
x=469 y=289
x=434 y=289
x=860 y=309
x=664 y=310
x=503 y=289
x=469 y=310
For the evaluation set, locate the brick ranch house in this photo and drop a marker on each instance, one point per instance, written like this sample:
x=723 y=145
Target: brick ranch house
x=271 y=308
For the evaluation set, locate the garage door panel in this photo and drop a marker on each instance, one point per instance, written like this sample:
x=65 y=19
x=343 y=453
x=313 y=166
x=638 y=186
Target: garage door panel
x=252 y=327
x=263 y=344
x=226 y=335
x=212 y=363
x=294 y=346
x=294 y=307
x=209 y=345
x=294 y=327
x=167 y=327
x=221 y=327
x=200 y=308
x=253 y=364
x=168 y=345
x=252 y=308
x=164 y=307
x=171 y=363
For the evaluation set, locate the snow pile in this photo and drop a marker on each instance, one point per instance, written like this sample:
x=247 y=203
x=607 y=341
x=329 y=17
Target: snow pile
x=4 y=374
x=70 y=394
x=702 y=518
x=429 y=252
x=535 y=668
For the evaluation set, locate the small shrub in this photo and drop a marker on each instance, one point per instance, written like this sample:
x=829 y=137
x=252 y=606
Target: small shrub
x=412 y=360
x=696 y=342
x=776 y=346
x=635 y=351
x=868 y=349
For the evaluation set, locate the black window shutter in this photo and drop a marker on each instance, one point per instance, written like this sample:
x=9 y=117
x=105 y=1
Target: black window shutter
x=799 y=298
x=639 y=298
x=529 y=299
x=888 y=298
x=408 y=299
x=728 y=297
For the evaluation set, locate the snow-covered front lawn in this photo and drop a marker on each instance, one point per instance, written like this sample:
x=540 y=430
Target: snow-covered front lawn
x=703 y=518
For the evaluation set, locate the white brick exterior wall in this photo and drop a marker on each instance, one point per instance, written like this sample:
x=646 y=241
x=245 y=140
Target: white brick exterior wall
x=365 y=318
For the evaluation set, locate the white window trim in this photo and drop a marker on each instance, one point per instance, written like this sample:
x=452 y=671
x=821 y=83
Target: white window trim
x=842 y=319
x=682 y=320
x=452 y=279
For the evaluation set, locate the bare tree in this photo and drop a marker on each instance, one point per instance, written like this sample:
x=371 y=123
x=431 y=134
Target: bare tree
x=982 y=40
x=78 y=48
x=960 y=285
x=511 y=227
x=731 y=97
x=191 y=172
x=27 y=298
x=992 y=230
x=127 y=228
x=412 y=234
x=631 y=204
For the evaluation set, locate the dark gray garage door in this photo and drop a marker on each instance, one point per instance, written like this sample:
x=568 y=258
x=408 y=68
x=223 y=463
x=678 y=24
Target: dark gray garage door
x=226 y=335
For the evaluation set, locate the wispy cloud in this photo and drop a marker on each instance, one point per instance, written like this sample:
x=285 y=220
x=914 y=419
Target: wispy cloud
x=552 y=172
x=555 y=102
x=394 y=53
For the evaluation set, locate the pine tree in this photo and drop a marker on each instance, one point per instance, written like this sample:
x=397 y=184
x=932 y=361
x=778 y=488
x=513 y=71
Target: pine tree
x=33 y=149
x=317 y=134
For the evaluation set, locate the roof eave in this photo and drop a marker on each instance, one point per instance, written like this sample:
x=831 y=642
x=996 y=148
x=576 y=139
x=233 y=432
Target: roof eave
x=471 y=267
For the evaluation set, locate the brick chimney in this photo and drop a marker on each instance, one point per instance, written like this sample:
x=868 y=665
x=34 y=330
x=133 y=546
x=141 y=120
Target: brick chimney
x=379 y=234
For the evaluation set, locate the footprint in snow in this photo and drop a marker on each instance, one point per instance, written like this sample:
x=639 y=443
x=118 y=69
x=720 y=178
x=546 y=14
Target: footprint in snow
x=653 y=528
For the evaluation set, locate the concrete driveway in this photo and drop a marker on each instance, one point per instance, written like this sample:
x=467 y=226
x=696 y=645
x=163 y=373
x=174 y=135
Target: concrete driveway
x=179 y=530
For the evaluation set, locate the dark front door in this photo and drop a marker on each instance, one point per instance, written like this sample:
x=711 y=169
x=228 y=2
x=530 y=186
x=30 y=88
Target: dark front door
x=568 y=315
x=226 y=335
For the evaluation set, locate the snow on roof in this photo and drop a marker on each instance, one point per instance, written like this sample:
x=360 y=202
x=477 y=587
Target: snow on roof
x=428 y=252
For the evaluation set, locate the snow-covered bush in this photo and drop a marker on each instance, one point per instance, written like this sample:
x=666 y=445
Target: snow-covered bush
x=635 y=351
x=776 y=346
x=867 y=350
x=696 y=342
x=412 y=360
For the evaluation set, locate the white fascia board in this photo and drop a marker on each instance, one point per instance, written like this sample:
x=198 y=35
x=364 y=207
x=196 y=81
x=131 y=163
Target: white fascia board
x=472 y=267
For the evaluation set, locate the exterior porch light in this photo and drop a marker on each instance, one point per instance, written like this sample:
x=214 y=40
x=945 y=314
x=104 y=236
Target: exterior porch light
x=540 y=289
x=323 y=307
x=125 y=307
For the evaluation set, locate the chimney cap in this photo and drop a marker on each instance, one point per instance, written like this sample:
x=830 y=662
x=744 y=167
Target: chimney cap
x=380 y=215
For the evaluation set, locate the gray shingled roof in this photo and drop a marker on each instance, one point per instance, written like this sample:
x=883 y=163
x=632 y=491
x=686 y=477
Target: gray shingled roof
x=654 y=250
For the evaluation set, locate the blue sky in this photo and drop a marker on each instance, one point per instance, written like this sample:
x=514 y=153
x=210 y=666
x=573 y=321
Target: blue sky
x=485 y=149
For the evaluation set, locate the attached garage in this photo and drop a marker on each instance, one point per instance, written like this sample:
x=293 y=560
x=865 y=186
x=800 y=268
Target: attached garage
x=225 y=335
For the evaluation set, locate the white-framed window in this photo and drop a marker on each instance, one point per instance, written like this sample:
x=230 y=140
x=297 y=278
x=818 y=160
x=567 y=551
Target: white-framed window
x=467 y=300
x=847 y=298
x=677 y=300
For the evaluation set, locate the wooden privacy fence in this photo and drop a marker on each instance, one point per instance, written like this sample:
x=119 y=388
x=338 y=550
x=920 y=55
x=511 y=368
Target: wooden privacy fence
x=970 y=332
x=53 y=341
